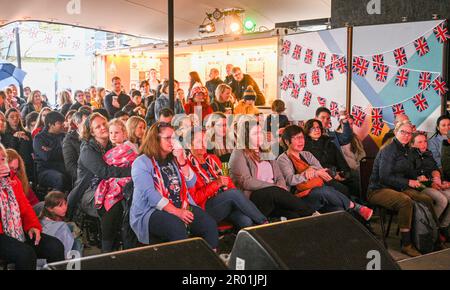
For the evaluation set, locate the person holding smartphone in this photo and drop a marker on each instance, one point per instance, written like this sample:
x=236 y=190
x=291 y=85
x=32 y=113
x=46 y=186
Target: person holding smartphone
x=21 y=240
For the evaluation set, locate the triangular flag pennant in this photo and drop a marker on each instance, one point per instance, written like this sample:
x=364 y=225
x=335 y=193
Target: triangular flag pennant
x=329 y=73
x=440 y=86
x=401 y=80
x=286 y=47
x=303 y=80
x=322 y=101
x=295 y=91
x=309 y=56
x=382 y=73
x=377 y=128
x=400 y=56
x=307 y=99
x=321 y=59
x=297 y=52
x=441 y=33
x=421 y=45
x=315 y=77
x=398 y=109
x=424 y=80
x=334 y=109
x=420 y=102
x=377 y=115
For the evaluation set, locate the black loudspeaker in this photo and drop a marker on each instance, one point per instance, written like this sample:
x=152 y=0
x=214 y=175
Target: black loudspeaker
x=334 y=241
x=434 y=261
x=191 y=254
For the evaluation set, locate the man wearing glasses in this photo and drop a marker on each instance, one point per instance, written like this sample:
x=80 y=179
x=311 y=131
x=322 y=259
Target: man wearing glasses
x=240 y=84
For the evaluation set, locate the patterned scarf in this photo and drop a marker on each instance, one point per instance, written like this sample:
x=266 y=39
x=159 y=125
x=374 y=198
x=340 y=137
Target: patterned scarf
x=160 y=187
x=10 y=212
x=213 y=167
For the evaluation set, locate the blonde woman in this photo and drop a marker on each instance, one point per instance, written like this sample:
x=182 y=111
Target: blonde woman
x=224 y=99
x=136 y=129
x=64 y=102
x=35 y=103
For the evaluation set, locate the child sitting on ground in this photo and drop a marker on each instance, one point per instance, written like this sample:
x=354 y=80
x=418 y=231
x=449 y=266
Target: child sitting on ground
x=109 y=192
x=52 y=220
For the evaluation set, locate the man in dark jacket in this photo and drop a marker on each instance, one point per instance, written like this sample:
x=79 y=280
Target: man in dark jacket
x=213 y=83
x=72 y=143
x=47 y=147
x=229 y=77
x=339 y=139
x=240 y=84
x=116 y=100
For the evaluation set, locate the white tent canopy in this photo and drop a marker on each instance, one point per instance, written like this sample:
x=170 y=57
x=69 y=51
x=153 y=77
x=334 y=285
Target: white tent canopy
x=148 y=18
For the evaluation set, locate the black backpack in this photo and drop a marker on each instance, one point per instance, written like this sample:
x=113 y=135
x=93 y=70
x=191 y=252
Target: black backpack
x=129 y=238
x=424 y=230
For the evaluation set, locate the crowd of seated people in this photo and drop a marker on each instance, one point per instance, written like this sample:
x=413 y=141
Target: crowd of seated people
x=195 y=167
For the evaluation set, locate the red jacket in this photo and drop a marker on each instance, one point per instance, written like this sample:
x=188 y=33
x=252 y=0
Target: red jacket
x=29 y=218
x=189 y=108
x=201 y=192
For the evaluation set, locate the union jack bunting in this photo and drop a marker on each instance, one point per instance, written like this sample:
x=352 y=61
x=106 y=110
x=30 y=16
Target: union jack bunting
x=322 y=101
x=295 y=91
x=377 y=115
x=297 y=52
x=421 y=45
x=398 y=109
x=378 y=59
x=309 y=56
x=424 y=80
x=303 y=80
x=377 y=128
x=284 y=83
x=321 y=59
x=400 y=56
x=342 y=65
x=358 y=116
x=286 y=47
x=382 y=73
x=329 y=73
x=334 y=109
x=291 y=79
x=401 y=80
x=307 y=99
x=440 y=86
x=356 y=108
x=360 y=66
x=315 y=77
x=441 y=33
x=334 y=60
x=420 y=102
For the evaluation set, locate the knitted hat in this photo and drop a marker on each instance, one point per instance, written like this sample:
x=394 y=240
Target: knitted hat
x=198 y=89
x=250 y=94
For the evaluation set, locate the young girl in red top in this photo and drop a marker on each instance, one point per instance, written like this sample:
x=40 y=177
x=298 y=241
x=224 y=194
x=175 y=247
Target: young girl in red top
x=21 y=240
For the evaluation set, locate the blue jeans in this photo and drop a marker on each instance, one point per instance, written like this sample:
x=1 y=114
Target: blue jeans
x=168 y=227
x=233 y=205
x=53 y=178
x=326 y=199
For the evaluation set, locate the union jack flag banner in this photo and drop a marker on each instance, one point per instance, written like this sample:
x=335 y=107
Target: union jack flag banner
x=421 y=45
x=377 y=128
x=377 y=115
x=315 y=77
x=401 y=80
x=420 y=102
x=286 y=47
x=400 y=56
x=358 y=116
x=378 y=59
x=321 y=59
x=285 y=83
x=440 y=86
x=303 y=80
x=398 y=109
x=307 y=99
x=360 y=66
x=322 y=101
x=334 y=60
x=334 y=109
x=329 y=73
x=295 y=91
x=382 y=73
x=291 y=79
x=309 y=56
x=441 y=33
x=424 y=80
x=297 y=52
x=342 y=65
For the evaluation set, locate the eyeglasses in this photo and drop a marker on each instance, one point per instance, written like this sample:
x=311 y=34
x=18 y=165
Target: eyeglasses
x=299 y=137
x=315 y=129
x=405 y=133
